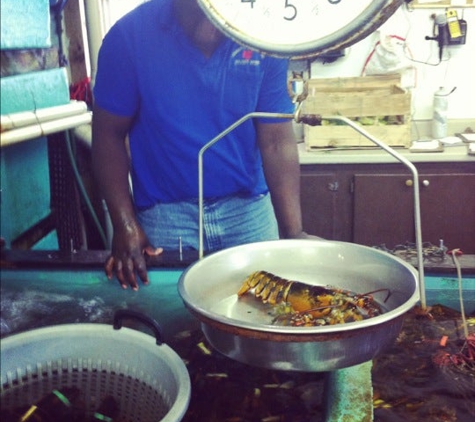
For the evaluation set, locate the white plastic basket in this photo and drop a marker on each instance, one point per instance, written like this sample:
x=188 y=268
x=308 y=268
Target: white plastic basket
x=146 y=377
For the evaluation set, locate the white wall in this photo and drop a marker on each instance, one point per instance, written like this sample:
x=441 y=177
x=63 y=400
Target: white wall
x=457 y=68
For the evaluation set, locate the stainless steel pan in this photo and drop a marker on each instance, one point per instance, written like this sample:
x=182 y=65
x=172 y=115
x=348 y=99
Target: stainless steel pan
x=242 y=328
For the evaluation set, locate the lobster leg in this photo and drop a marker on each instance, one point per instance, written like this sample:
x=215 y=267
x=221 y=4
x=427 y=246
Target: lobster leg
x=280 y=291
x=249 y=283
x=264 y=284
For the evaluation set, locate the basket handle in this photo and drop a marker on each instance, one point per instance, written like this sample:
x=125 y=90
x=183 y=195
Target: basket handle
x=131 y=314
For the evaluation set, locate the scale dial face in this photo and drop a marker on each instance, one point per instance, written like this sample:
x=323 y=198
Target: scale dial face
x=298 y=28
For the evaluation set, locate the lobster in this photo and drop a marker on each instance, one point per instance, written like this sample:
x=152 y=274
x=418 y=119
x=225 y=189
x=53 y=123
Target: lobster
x=299 y=304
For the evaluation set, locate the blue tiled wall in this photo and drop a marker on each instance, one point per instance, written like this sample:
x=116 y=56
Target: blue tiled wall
x=25 y=24
x=33 y=90
x=25 y=187
x=25 y=197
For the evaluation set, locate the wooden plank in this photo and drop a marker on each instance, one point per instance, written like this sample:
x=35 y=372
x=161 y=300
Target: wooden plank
x=358 y=104
x=353 y=83
x=18 y=259
x=372 y=98
x=341 y=136
x=77 y=37
x=418 y=4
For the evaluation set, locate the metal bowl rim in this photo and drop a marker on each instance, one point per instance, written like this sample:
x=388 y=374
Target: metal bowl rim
x=278 y=329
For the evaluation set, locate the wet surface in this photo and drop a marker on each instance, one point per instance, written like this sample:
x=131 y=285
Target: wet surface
x=225 y=390
x=420 y=380
x=29 y=309
x=410 y=381
x=416 y=379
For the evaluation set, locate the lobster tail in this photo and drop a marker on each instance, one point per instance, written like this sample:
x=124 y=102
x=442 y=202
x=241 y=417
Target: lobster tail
x=311 y=305
x=269 y=288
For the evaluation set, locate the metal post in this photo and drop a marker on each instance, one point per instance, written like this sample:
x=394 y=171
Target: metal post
x=210 y=144
x=417 y=206
x=313 y=119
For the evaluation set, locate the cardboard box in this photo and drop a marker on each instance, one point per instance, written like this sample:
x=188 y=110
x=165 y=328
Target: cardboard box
x=376 y=102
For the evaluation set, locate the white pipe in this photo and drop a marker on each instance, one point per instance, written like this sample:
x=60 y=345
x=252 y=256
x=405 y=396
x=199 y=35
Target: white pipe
x=42 y=129
x=96 y=30
x=27 y=118
x=83 y=134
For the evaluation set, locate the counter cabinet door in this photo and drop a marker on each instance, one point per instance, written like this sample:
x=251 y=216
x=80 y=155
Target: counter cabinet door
x=384 y=210
x=319 y=194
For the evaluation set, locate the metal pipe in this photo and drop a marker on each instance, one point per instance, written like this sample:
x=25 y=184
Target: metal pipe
x=210 y=144
x=417 y=206
x=312 y=120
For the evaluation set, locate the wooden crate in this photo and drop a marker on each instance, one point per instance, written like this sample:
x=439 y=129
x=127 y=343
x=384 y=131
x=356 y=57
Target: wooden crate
x=378 y=101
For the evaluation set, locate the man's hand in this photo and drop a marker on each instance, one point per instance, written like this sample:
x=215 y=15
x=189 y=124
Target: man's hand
x=111 y=166
x=129 y=247
x=305 y=235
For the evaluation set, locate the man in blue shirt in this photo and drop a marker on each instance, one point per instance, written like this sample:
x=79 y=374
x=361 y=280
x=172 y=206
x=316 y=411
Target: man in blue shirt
x=170 y=81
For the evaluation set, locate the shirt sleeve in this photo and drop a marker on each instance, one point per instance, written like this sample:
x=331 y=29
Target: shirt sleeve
x=274 y=96
x=115 y=85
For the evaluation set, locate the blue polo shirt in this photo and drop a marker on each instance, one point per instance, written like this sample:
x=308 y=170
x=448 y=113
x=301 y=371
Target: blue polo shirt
x=181 y=100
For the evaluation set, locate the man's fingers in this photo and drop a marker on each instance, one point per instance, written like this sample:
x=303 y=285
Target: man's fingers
x=125 y=271
x=119 y=274
x=152 y=251
x=129 y=272
x=109 y=267
x=114 y=266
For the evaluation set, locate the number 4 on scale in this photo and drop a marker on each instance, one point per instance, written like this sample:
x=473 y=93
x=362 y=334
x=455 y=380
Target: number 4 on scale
x=249 y=1
x=298 y=28
x=287 y=5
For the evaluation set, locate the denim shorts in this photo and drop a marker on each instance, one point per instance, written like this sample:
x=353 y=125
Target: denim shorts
x=228 y=221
